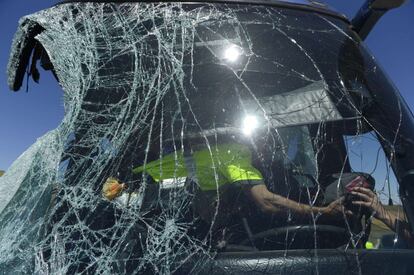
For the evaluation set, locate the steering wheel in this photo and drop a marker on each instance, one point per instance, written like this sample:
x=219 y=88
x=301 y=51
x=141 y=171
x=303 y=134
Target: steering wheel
x=302 y=233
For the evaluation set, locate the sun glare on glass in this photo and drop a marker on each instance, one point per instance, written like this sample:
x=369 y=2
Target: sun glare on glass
x=250 y=123
x=232 y=53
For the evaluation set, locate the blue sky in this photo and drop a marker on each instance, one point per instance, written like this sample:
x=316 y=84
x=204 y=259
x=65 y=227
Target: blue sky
x=25 y=116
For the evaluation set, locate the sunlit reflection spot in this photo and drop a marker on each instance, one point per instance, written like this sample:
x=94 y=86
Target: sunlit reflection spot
x=232 y=53
x=250 y=123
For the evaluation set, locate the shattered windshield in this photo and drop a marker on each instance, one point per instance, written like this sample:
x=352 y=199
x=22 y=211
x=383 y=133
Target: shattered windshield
x=193 y=130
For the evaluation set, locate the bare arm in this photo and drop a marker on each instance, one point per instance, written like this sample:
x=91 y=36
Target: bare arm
x=397 y=223
x=272 y=203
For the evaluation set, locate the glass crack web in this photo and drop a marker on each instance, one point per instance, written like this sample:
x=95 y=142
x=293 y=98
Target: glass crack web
x=148 y=86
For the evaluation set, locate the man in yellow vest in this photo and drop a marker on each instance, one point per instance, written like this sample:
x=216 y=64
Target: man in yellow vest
x=213 y=168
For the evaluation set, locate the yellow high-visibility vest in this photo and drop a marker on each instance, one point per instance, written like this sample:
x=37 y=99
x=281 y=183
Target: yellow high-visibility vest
x=222 y=164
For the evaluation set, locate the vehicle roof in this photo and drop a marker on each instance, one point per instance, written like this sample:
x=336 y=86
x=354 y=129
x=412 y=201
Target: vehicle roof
x=308 y=5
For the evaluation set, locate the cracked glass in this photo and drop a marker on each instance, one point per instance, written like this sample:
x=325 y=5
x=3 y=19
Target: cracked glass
x=196 y=130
